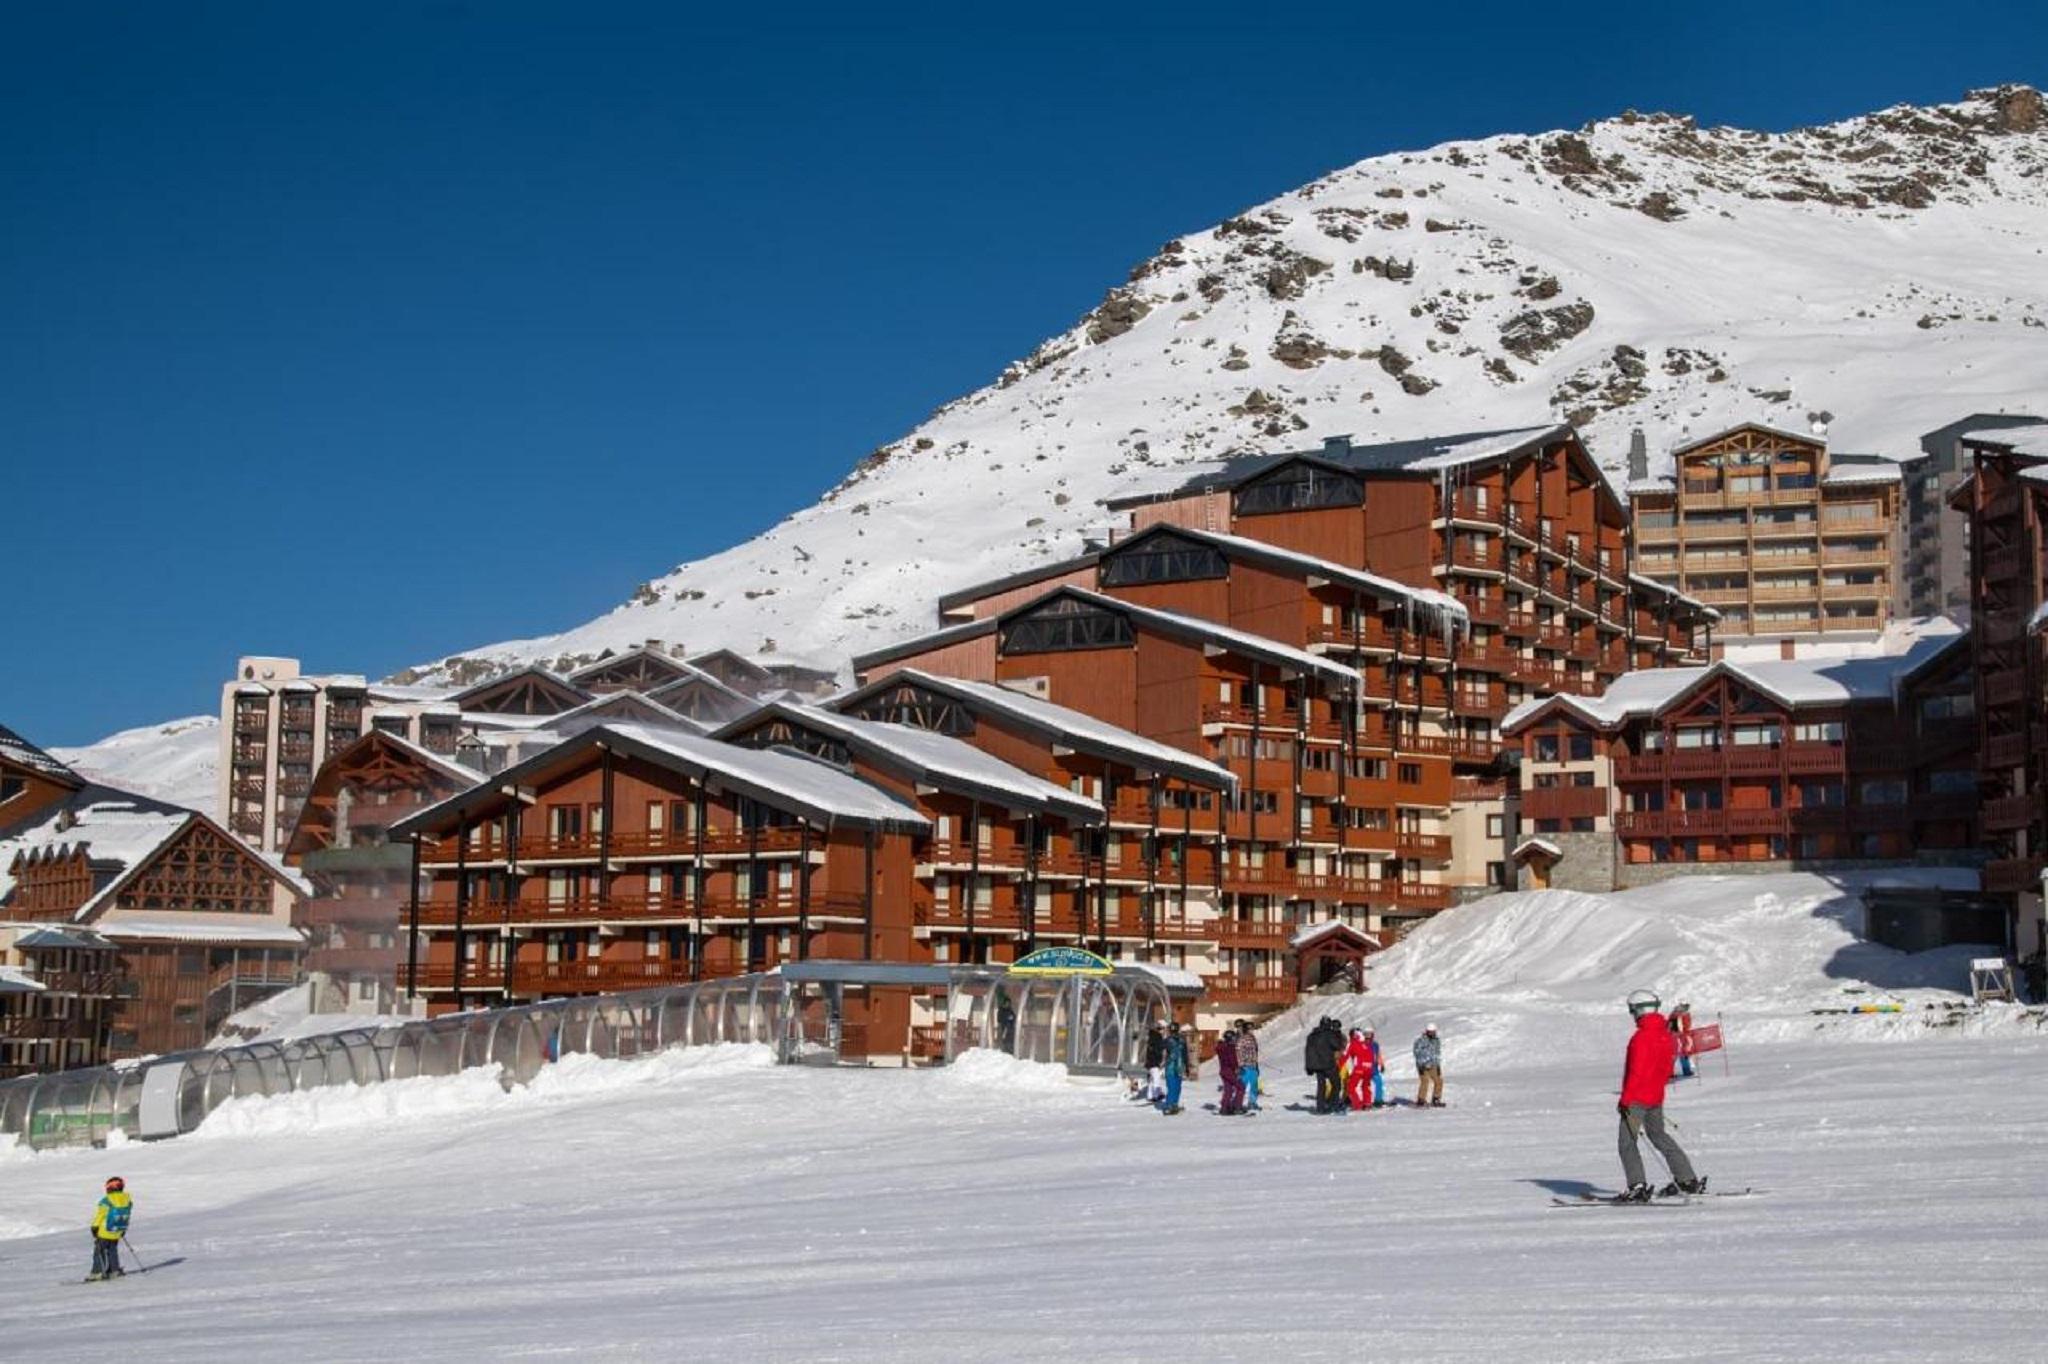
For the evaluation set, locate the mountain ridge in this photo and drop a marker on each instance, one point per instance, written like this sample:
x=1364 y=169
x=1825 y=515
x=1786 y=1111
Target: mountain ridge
x=1638 y=270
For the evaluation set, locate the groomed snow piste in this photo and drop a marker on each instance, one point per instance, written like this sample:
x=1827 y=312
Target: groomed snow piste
x=710 y=1205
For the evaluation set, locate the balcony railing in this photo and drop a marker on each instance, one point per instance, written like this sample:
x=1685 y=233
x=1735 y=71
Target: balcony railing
x=1224 y=990
x=1564 y=802
x=1248 y=934
x=2012 y=812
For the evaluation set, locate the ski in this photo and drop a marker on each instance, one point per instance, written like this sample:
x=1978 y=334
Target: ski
x=1599 y=1198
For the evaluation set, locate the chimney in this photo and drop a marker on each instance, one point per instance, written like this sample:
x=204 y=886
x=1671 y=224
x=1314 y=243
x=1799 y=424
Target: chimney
x=1336 y=447
x=1638 y=456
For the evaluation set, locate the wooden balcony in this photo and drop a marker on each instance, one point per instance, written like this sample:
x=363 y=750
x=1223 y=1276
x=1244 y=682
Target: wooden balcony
x=598 y=977
x=2005 y=688
x=350 y=911
x=640 y=909
x=2013 y=876
x=254 y=973
x=2011 y=812
x=1249 y=935
x=1246 y=716
x=1565 y=802
x=996 y=854
x=952 y=914
x=441 y=976
x=2005 y=750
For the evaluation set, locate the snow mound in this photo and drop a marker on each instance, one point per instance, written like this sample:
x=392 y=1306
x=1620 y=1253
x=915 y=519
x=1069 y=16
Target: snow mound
x=480 y=1090
x=986 y=1068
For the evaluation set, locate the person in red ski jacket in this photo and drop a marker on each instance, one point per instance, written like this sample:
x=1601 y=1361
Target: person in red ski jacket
x=1643 y=1077
x=1358 y=1067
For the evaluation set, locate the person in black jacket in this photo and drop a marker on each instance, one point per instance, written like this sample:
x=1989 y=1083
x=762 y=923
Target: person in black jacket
x=1155 y=1063
x=1319 y=1059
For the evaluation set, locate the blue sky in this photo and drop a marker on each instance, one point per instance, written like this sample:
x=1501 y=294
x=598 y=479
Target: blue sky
x=364 y=332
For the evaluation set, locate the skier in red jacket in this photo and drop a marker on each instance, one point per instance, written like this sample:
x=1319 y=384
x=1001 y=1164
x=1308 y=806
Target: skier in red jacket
x=1357 y=1063
x=1643 y=1078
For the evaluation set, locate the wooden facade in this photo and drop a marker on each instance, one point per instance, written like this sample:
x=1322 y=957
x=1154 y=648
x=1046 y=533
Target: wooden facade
x=1764 y=762
x=199 y=925
x=1782 y=539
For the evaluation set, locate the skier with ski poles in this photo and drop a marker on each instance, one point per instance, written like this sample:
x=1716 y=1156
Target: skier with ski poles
x=109 y=1225
x=1643 y=1078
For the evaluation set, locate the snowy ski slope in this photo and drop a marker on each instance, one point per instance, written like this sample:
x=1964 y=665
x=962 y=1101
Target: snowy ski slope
x=708 y=1205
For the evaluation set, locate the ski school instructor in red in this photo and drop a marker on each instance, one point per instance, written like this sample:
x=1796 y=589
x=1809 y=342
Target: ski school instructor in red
x=1648 y=1069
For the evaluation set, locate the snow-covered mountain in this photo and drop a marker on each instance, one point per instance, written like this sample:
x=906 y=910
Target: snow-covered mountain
x=1887 y=272
x=177 y=761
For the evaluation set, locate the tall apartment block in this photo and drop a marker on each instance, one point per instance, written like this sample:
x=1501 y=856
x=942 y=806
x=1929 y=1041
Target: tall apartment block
x=1935 y=579
x=2006 y=497
x=1782 y=537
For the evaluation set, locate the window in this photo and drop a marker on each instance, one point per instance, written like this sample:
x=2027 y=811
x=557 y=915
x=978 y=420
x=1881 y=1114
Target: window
x=1820 y=794
x=1882 y=791
x=1496 y=873
x=1582 y=824
x=1818 y=732
x=1162 y=559
x=1543 y=748
x=1700 y=736
x=1700 y=798
x=1954 y=707
x=1066 y=624
x=1581 y=748
x=1768 y=734
x=1952 y=782
x=10 y=787
x=1409 y=774
x=1496 y=826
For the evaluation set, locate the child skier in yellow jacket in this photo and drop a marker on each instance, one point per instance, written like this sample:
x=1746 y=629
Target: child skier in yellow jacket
x=109 y=1225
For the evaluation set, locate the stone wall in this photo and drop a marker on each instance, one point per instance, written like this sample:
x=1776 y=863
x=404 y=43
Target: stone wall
x=1588 y=863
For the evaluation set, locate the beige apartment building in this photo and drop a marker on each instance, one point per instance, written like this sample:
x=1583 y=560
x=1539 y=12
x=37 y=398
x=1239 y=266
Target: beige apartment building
x=1780 y=536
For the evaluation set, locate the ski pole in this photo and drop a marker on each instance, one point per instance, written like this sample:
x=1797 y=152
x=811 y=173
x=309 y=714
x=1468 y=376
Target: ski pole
x=140 y=1268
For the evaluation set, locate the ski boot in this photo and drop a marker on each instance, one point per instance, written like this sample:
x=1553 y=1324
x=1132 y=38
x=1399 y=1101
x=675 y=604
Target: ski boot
x=1637 y=1193
x=1683 y=1187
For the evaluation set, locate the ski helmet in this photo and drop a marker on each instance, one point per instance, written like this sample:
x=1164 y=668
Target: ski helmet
x=1643 y=1002
x=116 y=1184
x=1429 y=1027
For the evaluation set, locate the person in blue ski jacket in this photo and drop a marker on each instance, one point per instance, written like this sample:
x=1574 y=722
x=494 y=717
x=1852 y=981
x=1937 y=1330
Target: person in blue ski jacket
x=1179 y=1066
x=1379 y=1070
x=109 y=1225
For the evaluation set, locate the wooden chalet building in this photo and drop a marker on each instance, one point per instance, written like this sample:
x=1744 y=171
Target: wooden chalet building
x=1766 y=766
x=1340 y=808
x=354 y=920
x=2005 y=497
x=1781 y=536
x=634 y=855
x=1522 y=526
x=156 y=912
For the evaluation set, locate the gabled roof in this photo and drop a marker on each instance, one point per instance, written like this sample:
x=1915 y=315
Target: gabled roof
x=120 y=833
x=1332 y=930
x=738 y=661
x=1426 y=455
x=1530 y=847
x=1062 y=725
x=445 y=773
x=1801 y=437
x=781 y=780
x=693 y=676
x=1794 y=683
x=642 y=654
x=542 y=681
x=929 y=758
x=1204 y=632
x=1441 y=607
x=22 y=753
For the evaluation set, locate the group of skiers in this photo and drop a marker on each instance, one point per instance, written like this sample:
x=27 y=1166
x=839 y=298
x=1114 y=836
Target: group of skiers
x=1350 y=1073
x=1169 y=1064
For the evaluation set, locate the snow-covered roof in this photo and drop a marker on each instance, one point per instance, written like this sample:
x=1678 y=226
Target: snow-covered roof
x=55 y=938
x=1794 y=682
x=1072 y=727
x=1802 y=437
x=1172 y=977
x=1427 y=454
x=1536 y=845
x=119 y=830
x=782 y=780
x=1662 y=483
x=22 y=753
x=1441 y=606
x=1667 y=590
x=1874 y=470
x=194 y=928
x=1209 y=632
x=2029 y=441
x=2039 y=620
x=941 y=758
x=1329 y=928
x=15 y=981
